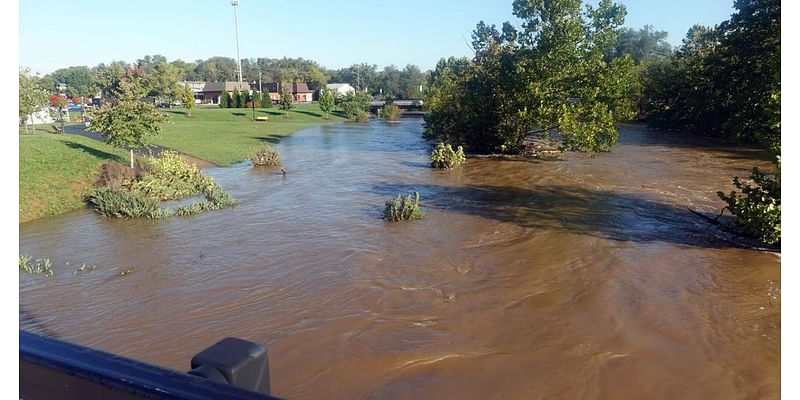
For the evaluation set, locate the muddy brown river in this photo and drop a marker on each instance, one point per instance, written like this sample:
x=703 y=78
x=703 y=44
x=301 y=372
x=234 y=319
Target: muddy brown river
x=585 y=278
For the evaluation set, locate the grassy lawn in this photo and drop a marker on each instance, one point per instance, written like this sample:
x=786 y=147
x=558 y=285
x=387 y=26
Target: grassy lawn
x=225 y=136
x=56 y=170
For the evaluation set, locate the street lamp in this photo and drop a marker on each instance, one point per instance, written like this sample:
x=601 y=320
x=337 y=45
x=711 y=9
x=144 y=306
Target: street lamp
x=235 y=3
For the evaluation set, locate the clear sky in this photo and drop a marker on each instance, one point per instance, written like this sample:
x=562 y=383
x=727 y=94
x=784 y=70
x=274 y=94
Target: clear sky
x=56 y=34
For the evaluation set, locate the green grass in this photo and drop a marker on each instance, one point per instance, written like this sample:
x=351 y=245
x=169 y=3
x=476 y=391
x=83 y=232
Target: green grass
x=226 y=136
x=56 y=170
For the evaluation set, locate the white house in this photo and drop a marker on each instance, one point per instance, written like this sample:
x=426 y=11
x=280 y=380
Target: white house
x=341 y=89
x=41 y=117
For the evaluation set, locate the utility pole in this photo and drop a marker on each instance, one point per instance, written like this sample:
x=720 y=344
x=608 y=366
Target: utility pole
x=235 y=3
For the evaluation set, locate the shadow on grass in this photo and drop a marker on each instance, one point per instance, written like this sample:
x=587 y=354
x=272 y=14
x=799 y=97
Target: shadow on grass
x=270 y=112
x=238 y=114
x=609 y=215
x=311 y=113
x=95 y=152
x=271 y=139
x=176 y=112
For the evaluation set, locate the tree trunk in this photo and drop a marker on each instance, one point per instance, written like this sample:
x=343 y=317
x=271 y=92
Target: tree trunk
x=131 y=158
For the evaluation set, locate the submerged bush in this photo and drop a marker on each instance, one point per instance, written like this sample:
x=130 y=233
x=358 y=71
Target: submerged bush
x=38 y=266
x=216 y=199
x=391 y=112
x=403 y=208
x=757 y=208
x=170 y=177
x=266 y=156
x=444 y=157
x=122 y=203
x=118 y=175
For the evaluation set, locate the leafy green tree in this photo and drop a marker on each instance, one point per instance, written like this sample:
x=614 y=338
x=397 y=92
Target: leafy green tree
x=79 y=80
x=266 y=100
x=758 y=207
x=723 y=82
x=186 y=96
x=160 y=80
x=127 y=122
x=642 y=45
x=356 y=105
x=326 y=101
x=32 y=98
x=550 y=76
x=256 y=98
x=236 y=99
x=110 y=79
x=286 y=99
x=390 y=112
x=225 y=99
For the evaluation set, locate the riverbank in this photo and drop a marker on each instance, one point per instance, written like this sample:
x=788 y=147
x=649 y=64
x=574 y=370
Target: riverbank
x=55 y=171
x=225 y=136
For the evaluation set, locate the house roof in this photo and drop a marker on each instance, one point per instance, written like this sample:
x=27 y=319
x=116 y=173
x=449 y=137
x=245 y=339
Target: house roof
x=217 y=86
x=276 y=87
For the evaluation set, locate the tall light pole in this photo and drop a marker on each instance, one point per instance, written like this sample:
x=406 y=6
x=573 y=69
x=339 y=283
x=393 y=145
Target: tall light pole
x=235 y=3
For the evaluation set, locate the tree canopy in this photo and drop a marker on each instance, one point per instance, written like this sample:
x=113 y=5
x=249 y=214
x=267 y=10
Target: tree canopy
x=32 y=98
x=553 y=73
x=723 y=81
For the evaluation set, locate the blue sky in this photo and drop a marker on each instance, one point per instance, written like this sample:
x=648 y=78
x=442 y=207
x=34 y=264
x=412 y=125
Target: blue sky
x=56 y=34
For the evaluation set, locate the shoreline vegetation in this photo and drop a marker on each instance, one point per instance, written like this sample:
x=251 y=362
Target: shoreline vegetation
x=57 y=171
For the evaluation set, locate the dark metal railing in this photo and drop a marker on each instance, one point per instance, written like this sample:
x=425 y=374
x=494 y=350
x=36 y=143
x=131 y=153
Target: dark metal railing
x=50 y=368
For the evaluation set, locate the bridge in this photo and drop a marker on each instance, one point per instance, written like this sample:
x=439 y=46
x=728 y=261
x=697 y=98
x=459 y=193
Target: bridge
x=409 y=107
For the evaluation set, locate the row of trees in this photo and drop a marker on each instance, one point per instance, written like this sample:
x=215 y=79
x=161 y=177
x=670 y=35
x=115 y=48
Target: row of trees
x=239 y=99
x=557 y=73
x=391 y=82
x=723 y=81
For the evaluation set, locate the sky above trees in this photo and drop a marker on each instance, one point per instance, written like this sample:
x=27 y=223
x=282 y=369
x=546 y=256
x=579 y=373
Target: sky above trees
x=55 y=34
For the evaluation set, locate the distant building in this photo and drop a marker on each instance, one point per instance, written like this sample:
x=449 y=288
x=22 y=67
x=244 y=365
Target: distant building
x=300 y=92
x=341 y=89
x=209 y=92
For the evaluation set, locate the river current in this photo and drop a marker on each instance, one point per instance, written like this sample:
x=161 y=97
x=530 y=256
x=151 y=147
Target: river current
x=585 y=277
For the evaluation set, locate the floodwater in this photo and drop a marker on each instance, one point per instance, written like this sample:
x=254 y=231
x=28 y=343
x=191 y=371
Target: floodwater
x=580 y=278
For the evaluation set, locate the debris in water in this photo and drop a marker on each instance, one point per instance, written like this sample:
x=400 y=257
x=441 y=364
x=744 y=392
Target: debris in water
x=126 y=272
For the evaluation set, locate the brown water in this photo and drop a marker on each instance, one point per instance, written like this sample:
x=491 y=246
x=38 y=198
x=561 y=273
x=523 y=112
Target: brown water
x=582 y=278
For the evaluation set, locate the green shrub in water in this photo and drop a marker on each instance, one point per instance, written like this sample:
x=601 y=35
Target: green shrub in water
x=403 y=208
x=170 y=177
x=38 y=266
x=390 y=112
x=123 y=203
x=216 y=199
x=266 y=156
x=757 y=208
x=444 y=157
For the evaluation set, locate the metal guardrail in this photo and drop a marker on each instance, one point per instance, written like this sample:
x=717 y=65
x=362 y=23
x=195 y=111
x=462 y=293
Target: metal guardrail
x=50 y=368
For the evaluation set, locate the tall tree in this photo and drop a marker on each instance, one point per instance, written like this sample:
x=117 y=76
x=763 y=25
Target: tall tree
x=236 y=99
x=225 y=99
x=287 y=99
x=79 y=80
x=550 y=75
x=326 y=101
x=127 y=122
x=186 y=96
x=642 y=45
x=161 y=80
x=32 y=98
